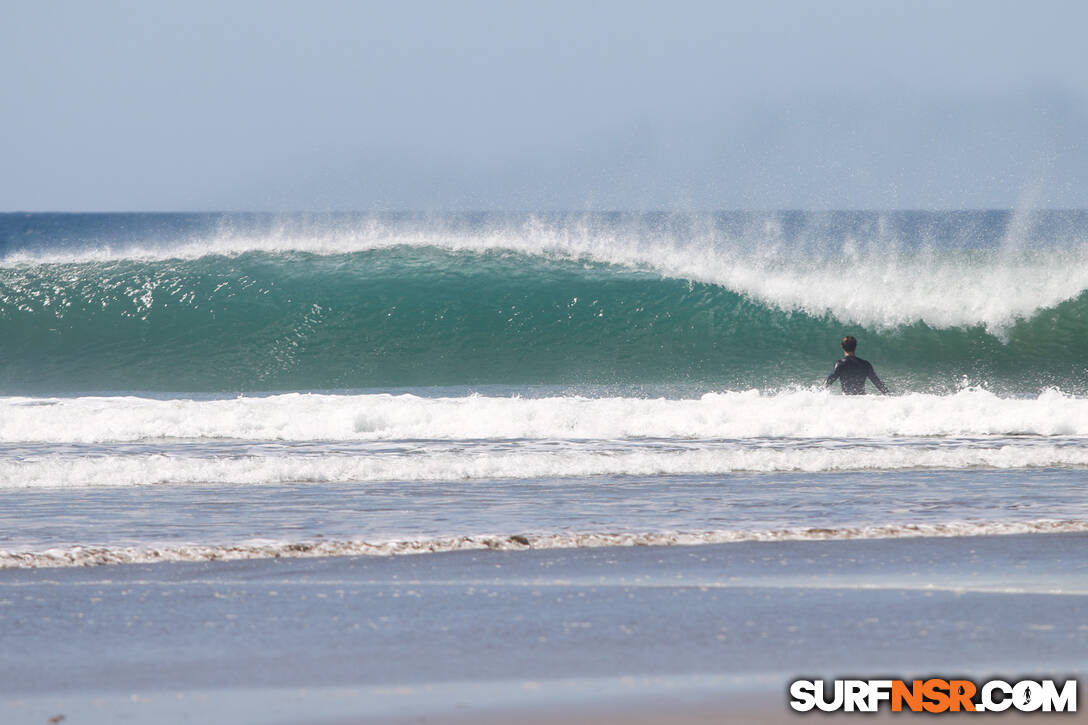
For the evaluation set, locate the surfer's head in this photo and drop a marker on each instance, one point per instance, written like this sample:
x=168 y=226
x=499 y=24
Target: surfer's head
x=849 y=343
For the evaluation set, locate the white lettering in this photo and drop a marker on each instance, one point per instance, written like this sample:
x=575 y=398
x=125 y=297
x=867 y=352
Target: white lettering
x=1065 y=701
x=988 y=701
x=829 y=705
x=803 y=693
x=993 y=696
x=879 y=691
x=1027 y=696
x=856 y=695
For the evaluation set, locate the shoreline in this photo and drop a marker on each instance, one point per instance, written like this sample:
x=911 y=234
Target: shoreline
x=91 y=556
x=472 y=635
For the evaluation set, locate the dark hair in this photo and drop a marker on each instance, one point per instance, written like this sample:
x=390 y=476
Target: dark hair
x=849 y=344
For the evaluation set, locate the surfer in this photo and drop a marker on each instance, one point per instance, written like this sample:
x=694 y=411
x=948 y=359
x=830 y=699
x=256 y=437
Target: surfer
x=851 y=371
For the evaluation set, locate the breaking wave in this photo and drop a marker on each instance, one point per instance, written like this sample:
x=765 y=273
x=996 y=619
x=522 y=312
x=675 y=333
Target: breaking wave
x=752 y=301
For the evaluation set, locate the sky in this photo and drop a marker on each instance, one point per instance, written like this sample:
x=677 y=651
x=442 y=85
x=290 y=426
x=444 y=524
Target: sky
x=468 y=105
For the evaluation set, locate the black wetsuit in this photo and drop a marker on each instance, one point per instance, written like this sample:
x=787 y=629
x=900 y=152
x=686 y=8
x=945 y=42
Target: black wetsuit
x=851 y=371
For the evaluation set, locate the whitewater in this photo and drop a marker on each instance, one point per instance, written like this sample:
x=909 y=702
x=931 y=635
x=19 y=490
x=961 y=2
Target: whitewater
x=208 y=386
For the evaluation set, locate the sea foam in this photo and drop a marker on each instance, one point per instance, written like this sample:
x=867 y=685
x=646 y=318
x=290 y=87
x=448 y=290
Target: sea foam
x=717 y=415
x=382 y=437
x=875 y=278
x=99 y=555
x=145 y=469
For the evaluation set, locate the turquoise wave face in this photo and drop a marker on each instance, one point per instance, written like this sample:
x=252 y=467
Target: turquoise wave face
x=425 y=316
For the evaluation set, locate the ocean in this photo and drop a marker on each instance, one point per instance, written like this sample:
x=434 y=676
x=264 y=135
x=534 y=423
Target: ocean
x=362 y=467
x=191 y=386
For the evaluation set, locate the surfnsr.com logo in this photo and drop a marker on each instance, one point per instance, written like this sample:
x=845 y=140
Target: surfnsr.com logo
x=933 y=695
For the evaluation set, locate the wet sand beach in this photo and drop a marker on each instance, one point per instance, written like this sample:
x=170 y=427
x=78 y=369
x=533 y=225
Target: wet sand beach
x=593 y=635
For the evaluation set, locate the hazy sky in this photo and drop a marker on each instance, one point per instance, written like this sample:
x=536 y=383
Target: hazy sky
x=545 y=105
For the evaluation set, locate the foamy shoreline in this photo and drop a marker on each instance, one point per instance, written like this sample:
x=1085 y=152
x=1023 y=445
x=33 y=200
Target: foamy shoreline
x=79 y=556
